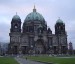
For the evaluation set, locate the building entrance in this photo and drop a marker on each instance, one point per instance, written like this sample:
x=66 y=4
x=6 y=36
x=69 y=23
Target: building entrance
x=23 y=48
x=15 y=50
x=40 y=48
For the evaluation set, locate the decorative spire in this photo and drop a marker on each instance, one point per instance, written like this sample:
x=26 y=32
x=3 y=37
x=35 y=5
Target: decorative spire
x=16 y=13
x=34 y=6
x=59 y=17
x=34 y=10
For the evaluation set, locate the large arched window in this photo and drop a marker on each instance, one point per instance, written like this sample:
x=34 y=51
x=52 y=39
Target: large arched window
x=31 y=29
x=16 y=25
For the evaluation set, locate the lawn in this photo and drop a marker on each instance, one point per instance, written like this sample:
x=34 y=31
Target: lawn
x=8 y=60
x=54 y=60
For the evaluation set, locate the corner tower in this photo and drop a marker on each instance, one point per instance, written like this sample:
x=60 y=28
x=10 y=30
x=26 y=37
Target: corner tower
x=59 y=27
x=61 y=36
x=16 y=24
x=15 y=35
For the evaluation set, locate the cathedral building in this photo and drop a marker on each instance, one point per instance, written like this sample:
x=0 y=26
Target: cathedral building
x=35 y=36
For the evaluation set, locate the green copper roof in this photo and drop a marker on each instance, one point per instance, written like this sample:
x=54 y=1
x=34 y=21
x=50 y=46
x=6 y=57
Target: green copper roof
x=16 y=17
x=34 y=16
x=59 y=21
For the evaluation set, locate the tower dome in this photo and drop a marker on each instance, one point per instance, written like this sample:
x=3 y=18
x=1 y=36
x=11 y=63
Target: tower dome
x=34 y=16
x=59 y=21
x=59 y=27
x=16 y=17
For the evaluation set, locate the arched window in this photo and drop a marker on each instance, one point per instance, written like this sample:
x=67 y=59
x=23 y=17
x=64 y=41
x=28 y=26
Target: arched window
x=16 y=26
x=62 y=28
x=31 y=39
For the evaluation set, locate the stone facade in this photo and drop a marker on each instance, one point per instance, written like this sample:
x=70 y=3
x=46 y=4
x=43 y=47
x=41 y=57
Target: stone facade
x=36 y=37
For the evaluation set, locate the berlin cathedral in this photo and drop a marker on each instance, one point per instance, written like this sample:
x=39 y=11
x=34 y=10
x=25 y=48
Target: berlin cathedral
x=36 y=37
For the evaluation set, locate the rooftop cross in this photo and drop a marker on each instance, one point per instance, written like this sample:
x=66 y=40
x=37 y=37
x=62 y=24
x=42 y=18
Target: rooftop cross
x=16 y=13
x=34 y=6
x=59 y=17
x=34 y=10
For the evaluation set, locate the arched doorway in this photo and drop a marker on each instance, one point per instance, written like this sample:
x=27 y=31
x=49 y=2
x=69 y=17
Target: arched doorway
x=15 y=50
x=40 y=47
x=24 y=49
x=63 y=49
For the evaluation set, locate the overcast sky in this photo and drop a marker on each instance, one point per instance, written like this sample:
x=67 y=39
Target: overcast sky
x=51 y=10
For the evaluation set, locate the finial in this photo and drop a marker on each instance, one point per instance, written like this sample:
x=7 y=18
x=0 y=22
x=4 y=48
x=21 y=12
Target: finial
x=59 y=17
x=16 y=13
x=34 y=6
x=34 y=10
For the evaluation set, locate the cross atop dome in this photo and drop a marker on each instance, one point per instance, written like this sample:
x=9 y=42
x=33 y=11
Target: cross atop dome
x=34 y=6
x=34 y=10
x=58 y=17
x=16 y=13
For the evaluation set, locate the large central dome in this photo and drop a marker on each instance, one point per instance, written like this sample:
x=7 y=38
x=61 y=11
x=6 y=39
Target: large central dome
x=34 y=16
